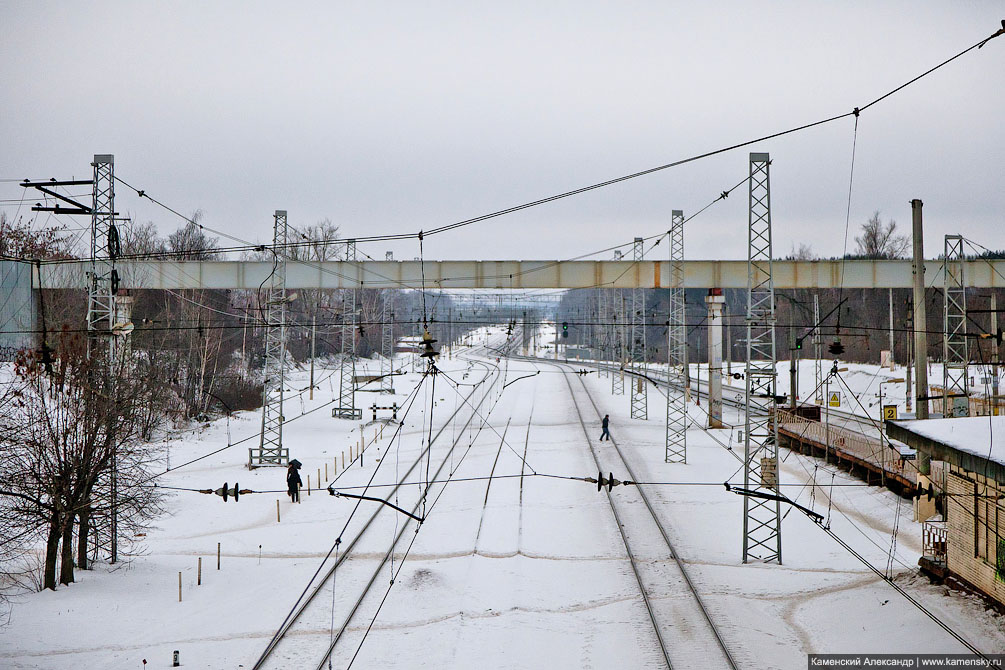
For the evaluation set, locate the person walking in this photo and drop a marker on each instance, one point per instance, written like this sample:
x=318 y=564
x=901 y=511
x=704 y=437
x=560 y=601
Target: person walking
x=293 y=481
x=605 y=424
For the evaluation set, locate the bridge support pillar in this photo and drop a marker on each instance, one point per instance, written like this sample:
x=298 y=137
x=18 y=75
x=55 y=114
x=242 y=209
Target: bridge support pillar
x=715 y=302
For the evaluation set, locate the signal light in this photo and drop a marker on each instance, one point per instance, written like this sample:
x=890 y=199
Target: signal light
x=565 y=329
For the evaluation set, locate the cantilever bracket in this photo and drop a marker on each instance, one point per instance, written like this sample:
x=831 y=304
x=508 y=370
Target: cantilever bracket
x=771 y=496
x=339 y=494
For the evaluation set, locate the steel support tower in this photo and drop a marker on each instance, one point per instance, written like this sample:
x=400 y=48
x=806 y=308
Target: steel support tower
x=101 y=289
x=762 y=531
x=955 y=388
x=618 y=319
x=346 y=408
x=604 y=312
x=103 y=280
x=676 y=444
x=617 y=338
x=270 y=446
x=637 y=343
x=387 y=341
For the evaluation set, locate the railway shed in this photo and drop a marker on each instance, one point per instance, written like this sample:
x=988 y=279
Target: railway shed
x=968 y=545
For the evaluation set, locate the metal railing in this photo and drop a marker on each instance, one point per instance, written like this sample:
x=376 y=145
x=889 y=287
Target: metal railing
x=934 y=539
x=838 y=439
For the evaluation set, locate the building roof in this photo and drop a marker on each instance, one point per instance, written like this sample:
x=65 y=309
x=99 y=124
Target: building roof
x=975 y=443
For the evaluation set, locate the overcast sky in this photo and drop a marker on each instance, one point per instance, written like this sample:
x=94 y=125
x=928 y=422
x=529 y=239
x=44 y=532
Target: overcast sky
x=399 y=116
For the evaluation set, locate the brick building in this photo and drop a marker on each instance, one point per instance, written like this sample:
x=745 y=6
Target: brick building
x=964 y=460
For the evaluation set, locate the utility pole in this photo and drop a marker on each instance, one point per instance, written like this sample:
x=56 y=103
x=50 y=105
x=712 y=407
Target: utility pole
x=892 y=357
x=909 y=367
x=244 y=342
x=793 y=363
x=270 y=444
x=557 y=334
x=762 y=530
x=314 y=340
x=920 y=319
x=387 y=341
x=676 y=437
x=994 y=353
x=818 y=352
x=715 y=302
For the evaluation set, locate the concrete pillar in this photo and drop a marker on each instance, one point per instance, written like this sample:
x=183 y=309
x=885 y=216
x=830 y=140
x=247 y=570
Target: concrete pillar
x=920 y=320
x=715 y=302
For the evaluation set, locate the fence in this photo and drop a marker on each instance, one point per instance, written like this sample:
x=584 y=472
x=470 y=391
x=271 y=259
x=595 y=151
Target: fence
x=847 y=444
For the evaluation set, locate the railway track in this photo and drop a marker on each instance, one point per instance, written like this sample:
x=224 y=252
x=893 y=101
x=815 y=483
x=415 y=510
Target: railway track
x=313 y=614
x=684 y=628
x=732 y=396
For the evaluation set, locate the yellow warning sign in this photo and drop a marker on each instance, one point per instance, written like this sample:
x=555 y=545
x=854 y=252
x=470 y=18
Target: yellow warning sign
x=889 y=412
x=834 y=399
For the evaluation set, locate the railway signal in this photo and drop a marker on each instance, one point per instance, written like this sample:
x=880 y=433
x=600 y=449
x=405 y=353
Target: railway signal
x=565 y=329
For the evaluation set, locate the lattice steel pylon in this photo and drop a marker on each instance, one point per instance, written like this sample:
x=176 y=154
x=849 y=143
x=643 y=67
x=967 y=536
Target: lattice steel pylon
x=101 y=289
x=617 y=338
x=346 y=408
x=270 y=445
x=637 y=343
x=103 y=280
x=676 y=445
x=618 y=370
x=955 y=388
x=387 y=341
x=762 y=530
x=603 y=318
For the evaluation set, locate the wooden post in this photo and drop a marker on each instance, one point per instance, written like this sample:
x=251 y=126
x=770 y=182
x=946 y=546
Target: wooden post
x=326 y=470
x=198 y=581
x=217 y=555
x=319 y=475
x=277 y=511
x=179 y=587
x=308 y=484
x=335 y=466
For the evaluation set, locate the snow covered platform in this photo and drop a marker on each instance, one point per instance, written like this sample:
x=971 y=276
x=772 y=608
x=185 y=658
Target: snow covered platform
x=873 y=457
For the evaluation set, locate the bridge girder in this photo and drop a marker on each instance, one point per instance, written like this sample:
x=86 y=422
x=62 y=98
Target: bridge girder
x=161 y=274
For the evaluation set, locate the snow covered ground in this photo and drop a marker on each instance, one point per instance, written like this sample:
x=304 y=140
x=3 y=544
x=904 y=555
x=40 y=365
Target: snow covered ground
x=520 y=572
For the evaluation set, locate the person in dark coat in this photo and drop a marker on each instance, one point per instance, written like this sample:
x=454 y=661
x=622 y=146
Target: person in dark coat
x=293 y=481
x=605 y=424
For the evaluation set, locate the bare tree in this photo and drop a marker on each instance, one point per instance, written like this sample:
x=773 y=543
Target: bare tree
x=803 y=253
x=190 y=242
x=65 y=430
x=141 y=240
x=879 y=241
x=27 y=240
